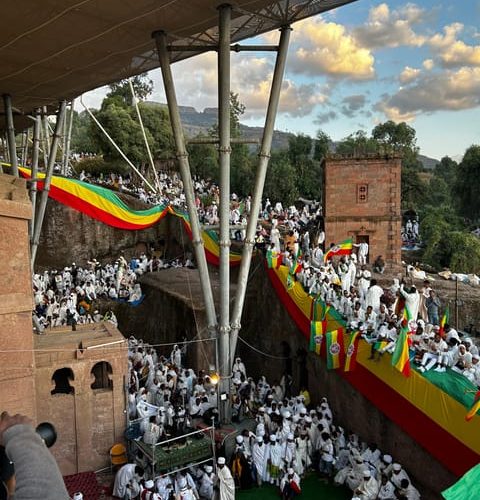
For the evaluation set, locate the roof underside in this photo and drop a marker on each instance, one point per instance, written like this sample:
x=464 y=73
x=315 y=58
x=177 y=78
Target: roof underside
x=58 y=49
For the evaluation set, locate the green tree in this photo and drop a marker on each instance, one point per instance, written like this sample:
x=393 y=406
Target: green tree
x=395 y=137
x=82 y=141
x=357 y=144
x=322 y=146
x=463 y=250
x=413 y=189
x=467 y=185
x=447 y=170
x=280 y=184
x=203 y=160
x=142 y=86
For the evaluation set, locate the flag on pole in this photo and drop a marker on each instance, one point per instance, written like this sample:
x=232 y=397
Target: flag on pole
x=443 y=322
x=274 y=259
x=334 y=349
x=351 y=352
x=401 y=354
x=316 y=336
x=475 y=407
x=343 y=248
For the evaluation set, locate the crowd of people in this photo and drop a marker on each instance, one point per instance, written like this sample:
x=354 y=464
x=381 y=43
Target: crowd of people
x=289 y=437
x=69 y=296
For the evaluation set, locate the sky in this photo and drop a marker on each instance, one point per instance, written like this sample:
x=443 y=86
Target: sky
x=354 y=67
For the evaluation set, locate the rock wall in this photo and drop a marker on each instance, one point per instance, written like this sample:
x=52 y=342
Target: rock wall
x=280 y=338
x=70 y=236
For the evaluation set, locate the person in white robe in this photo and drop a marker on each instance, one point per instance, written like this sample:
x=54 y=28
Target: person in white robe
x=226 y=484
x=412 y=300
x=387 y=490
x=368 y=487
x=126 y=481
x=206 y=483
x=259 y=459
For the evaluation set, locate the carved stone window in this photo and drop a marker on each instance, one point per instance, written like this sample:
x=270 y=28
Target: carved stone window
x=101 y=372
x=61 y=378
x=362 y=193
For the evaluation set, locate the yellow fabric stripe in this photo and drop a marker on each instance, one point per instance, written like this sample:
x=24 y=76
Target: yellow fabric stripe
x=435 y=403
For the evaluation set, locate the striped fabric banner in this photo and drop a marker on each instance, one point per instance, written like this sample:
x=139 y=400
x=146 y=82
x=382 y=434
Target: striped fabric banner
x=335 y=349
x=351 y=352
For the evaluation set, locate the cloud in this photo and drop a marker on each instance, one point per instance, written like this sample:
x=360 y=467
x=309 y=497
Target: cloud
x=323 y=118
x=450 y=90
x=428 y=64
x=196 y=85
x=409 y=74
x=325 y=48
x=453 y=52
x=391 y=28
x=352 y=104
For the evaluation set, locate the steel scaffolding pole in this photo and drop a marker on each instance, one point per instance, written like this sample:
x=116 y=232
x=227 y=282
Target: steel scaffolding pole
x=12 y=147
x=66 y=150
x=225 y=12
x=264 y=157
x=45 y=136
x=182 y=156
x=48 y=179
x=35 y=153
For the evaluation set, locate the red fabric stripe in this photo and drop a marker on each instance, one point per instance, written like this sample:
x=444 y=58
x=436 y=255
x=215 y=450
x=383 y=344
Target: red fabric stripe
x=448 y=450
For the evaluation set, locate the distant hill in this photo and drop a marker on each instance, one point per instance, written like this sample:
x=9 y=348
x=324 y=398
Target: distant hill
x=428 y=163
x=199 y=122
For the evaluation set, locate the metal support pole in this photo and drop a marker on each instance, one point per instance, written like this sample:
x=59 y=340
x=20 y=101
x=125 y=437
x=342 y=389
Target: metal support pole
x=68 y=138
x=48 y=180
x=264 y=157
x=225 y=12
x=12 y=147
x=23 y=161
x=182 y=156
x=46 y=137
x=33 y=187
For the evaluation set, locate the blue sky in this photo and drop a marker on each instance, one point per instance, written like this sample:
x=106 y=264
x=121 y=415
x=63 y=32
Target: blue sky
x=358 y=66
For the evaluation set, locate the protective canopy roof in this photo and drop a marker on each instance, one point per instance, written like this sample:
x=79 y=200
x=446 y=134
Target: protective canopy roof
x=57 y=49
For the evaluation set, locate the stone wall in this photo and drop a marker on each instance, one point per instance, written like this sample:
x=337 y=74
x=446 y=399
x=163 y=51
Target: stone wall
x=17 y=384
x=70 y=236
x=88 y=421
x=362 y=200
x=281 y=338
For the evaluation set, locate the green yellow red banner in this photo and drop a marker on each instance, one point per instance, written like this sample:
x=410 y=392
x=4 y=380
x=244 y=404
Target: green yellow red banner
x=106 y=206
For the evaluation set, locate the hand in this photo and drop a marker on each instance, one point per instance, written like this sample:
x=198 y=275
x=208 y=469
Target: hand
x=7 y=421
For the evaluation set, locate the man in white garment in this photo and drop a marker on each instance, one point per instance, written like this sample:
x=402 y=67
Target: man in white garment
x=412 y=300
x=259 y=459
x=374 y=294
x=362 y=252
x=126 y=481
x=368 y=487
x=226 y=484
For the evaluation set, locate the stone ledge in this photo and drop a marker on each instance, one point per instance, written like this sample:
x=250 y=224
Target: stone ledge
x=16 y=303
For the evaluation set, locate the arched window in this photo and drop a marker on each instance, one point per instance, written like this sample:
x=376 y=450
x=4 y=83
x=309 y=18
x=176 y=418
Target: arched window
x=61 y=379
x=102 y=372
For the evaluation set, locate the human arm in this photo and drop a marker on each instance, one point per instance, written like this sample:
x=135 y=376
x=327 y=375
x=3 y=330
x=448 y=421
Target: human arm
x=37 y=474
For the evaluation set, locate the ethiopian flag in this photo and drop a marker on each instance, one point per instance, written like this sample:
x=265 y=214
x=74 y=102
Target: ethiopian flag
x=334 y=348
x=475 y=407
x=401 y=354
x=443 y=322
x=343 y=248
x=351 y=352
x=274 y=259
x=316 y=336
